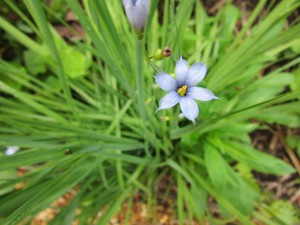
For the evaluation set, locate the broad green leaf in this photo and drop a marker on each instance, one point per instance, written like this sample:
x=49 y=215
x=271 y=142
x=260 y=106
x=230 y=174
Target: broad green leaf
x=228 y=181
x=257 y=160
x=75 y=63
x=235 y=193
x=216 y=167
x=34 y=63
x=264 y=89
x=195 y=179
x=200 y=198
x=280 y=117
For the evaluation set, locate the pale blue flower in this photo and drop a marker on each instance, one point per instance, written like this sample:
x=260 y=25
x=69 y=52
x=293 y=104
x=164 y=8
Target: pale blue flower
x=182 y=90
x=10 y=150
x=137 y=13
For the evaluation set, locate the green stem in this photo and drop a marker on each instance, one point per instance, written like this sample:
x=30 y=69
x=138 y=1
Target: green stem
x=147 y=59
x=146 y=55
x=141 y=101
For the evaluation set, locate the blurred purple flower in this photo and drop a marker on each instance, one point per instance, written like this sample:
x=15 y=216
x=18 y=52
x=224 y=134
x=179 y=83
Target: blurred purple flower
x=182 y=90
x=10 y=150
x=137 y=13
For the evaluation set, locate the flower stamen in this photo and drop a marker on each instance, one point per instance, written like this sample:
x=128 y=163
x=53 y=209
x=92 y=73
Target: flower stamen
x=182 y=90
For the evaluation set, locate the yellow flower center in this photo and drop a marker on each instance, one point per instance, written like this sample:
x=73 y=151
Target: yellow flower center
x=182 y=90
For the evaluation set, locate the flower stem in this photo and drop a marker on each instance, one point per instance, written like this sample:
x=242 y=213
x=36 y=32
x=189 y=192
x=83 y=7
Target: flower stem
x=148 y=60
x=139 y=80
x=146 y=55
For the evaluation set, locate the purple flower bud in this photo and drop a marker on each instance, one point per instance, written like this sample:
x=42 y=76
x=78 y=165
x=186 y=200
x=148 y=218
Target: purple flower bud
x=137 y=13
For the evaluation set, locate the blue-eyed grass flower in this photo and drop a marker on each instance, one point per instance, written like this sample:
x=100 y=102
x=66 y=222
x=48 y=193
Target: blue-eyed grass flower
x=183 y=89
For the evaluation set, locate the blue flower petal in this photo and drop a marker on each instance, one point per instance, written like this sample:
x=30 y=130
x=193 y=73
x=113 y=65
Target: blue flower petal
x=166 y=82
x=189 y=108
x=181 y=71
x=169 y=100
x=195 y=74
x=202 y=94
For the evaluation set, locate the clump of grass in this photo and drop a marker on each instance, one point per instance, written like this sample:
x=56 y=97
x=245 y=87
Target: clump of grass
x=83 y=114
